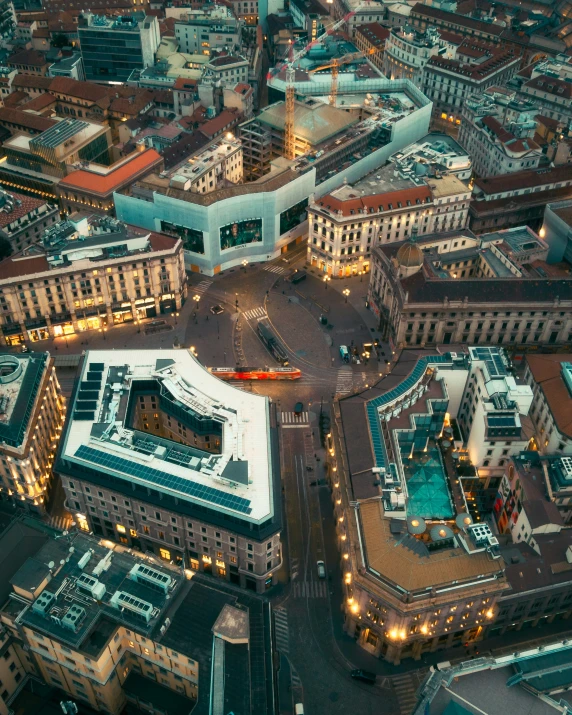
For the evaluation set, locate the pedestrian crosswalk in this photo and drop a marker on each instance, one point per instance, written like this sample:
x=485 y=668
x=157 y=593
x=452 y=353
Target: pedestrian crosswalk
x=201 y=287
x=405 y=686
x=281 y=631
x=255 y=313
x=345 y=380
x=60 y=522
x=275 y=269
x=296 y=682
x=292 y=419
x=310 y=589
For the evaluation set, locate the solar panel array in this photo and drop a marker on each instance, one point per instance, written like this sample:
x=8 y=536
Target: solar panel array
x=163 y=479
x=374 y=405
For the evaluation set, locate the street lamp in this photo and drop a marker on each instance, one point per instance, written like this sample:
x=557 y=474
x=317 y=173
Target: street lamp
x=244 y=263
x=177 y=315
x=360 y=276
x=236 y=301
x=326 y=280
x=196 y=298
x=346 y=292
x=193 y=350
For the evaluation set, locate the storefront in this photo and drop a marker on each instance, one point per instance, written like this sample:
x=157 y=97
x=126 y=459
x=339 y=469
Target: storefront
x=167 y=303
x=145 y=308
x=13 y=335
x=123 y=314
x=92 y=320
x=61 y=329
x=38 y=331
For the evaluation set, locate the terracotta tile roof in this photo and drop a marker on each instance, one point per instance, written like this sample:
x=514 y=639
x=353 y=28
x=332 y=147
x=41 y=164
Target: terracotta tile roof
x=40 y=102
x=26 y=120
x=374 y=33
x=416 y=195
x=30 y=81
x=546 y=372
x=27 y=204
x=527 y=179
x=138 y=165
x=226 y=60
x=17 y=266
x=551 y=85
x=242 y=88
x=496 y=62
x=182 y=149
x=32 y=58
x=185 y=84
x=80 y=90
x=164 y=96
x=455 y=19
x=216 y=125
x=16 y=98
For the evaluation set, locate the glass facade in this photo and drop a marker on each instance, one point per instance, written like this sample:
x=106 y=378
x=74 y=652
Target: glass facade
x=293 y=216
x=110 y=55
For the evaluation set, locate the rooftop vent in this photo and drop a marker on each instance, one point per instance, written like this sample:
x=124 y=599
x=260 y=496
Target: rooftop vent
x=43 y=602
x=151 y=577
x=74 y=617
x=142 y=610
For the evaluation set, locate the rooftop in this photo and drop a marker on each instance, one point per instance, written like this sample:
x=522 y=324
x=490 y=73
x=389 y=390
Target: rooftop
x=528 y=179
x=82 y=589
x=103 y=180
x=14 y=206
x=20 y=379
x=203 y=161
x=239 y=481
x=315 y=122
x=549 y=372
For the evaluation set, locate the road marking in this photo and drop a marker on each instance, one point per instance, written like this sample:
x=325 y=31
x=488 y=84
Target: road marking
x=291 y=418
x=255 y=314
x=275 y=269
x=60 y=522
x=310 y=589
x=201 y=287
x=345 y=381
x=405 y=687
x=281 y=630
x=296 y=682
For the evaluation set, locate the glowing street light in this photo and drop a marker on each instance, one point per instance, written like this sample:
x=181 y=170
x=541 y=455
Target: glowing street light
x=327 y=279
x=346 y=292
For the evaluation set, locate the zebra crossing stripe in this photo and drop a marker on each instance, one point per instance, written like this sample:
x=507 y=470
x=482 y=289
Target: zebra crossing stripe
x=274 y=269
x=255 y=313
x=202 y=287
x=293 y=418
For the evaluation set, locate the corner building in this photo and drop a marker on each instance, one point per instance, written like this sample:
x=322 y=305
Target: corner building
x=162 y=456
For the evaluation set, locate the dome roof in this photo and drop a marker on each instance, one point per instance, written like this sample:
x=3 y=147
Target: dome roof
x=409 y=255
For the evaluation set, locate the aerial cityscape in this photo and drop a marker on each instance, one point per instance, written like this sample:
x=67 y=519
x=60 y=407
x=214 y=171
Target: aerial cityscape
x=285 y=357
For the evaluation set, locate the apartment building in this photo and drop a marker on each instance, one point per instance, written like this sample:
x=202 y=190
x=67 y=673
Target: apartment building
x=113 y=629
x=371 y=39
x=188 y=476
x=31 y=419
x=112 y=47
x=90 y=275
x=345 y=225
x=459 y=288
x=499 y=145
x=29 y=62
x=201 y=31
x=407 y=51
x=246 y=10
x=226 y=69
x=528 y=191
x=17 y=121
x=547 y=84
x=423 y=16
x=550 y=377
x=477 y=66
x=212 y=168
x=23 y=219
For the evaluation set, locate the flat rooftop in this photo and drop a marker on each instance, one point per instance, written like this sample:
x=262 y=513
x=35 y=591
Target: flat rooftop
x=204 y=161
x=20 y=380
x=237 y=482
x=314 y=122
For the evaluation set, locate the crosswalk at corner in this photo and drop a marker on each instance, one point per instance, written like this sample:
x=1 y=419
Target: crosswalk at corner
x=405 y=686
x=60 y=522
x=345 y=381
x=255 y=314
x=281 y=630
x=275 y=269
x=201 y=287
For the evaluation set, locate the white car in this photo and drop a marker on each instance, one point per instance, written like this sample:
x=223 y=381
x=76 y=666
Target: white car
x=321 y=569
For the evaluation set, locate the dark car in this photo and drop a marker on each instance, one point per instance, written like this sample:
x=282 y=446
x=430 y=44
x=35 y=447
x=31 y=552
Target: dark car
x=217 y=309
x=298 y=408
x=298 y=276
x=364 y=675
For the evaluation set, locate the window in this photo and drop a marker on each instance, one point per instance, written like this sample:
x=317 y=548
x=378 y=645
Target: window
x=165 y=554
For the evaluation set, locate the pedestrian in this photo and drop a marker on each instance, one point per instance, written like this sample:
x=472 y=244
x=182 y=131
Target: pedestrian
x=207 y=317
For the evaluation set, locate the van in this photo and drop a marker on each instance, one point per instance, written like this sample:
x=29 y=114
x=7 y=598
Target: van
x=364 y=675
x=344 y=353
x=299 y=709
x=298 y=277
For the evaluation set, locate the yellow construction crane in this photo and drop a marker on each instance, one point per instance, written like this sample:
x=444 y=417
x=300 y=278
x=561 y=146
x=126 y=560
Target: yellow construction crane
x=335 y=65
x=289 y=137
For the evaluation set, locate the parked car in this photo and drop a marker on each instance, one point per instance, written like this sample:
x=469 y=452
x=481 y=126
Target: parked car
x=217 y=309
x=364 y=675
x=298 y=408
x=321 y=569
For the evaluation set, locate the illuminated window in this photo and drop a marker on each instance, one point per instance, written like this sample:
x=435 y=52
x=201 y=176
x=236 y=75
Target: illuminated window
x=133 y=533
x=120 y=528
x=165 y=554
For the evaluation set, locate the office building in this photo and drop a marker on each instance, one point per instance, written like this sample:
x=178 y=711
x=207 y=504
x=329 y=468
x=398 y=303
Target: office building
x=226 y=70
x=202 y=31
x=71 y=67
x=436 y=154
x=36 y=164
x=112 y=47
x=547 y=84
x=90 y=275
x=557 y=229
x=187 y=468
x=23 y=219
x=345 y=225
x=498 y=132
x=476 y=66
x=114 y=630
x=456 y=287
x=407 y=51
x=31 y=418
x=420 y=572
